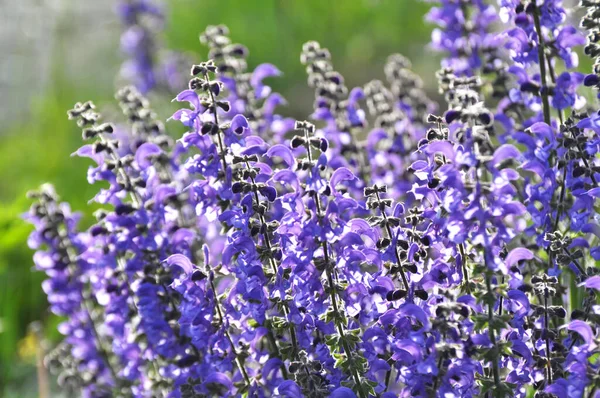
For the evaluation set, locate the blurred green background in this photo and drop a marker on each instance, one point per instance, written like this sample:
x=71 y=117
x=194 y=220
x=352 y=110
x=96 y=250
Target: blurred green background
x=82 y=60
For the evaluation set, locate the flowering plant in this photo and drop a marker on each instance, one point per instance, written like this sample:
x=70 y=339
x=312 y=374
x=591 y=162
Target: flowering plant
x=389 y=247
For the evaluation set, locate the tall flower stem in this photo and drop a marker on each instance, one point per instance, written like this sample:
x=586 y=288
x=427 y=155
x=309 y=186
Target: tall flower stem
x=391 y=236
x=67 y=245
x=274 y=268
x=329 y=272
x=542 y=62
x=546 y=323
x=238 y=359
x=463 y=255
x=492 y=334
x=213 y=109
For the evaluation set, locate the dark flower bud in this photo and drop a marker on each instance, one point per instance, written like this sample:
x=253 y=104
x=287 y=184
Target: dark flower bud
x=97 y=230
x=559 y=312
x=198 y=69
x=215 y=87
x=519 y=8
x=139 y=182
x=591 y=80
x=394 y=295
x=422 y=294
x=198 y=276
x=237 y=187
x=464 y=311
x=100 y=147
x=368 y=191
x=100 y=214
x=195 y=83
x=106 y=128
x=297 y=141
x=451 y=116
x=383 y=243
x=324 y=144
x=294 y=367
x=432 y=134
x=441 y=311
x=89 y=133
x=317 y=366
x=433 y=118
x=124 y=208
x=578 y=314
x=485 y=118
x=411 y=268
x=530 y=87
x=224 y=105
x=433 y=183
x=187 y=361
x=165 y=279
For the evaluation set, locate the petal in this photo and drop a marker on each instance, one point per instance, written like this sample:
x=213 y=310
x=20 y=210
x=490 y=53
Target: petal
x=263 y=71
x=206 y=254
x=87 y=151
x=595 y=192
x=144 y=152
x=518 y=254
x=591 y=228
x=162 y=192
x=189 y=96
x=182 y=261
x=269 y=192
x=219 y=378
x=43 y=260
x=504 y=152
x=239 y=124
x=542 y=129
x=416 y=312
x=287 y=177
x=183 y=235
x=341 y=174
x=592 y=282
x=443 y=147
x=272 y=102
x=355 y=95
x=583 y=329
x=289 y=389
x=272 y=365
x=283 y=152
x=351 y=239
x=519 y=302
x=342 y=392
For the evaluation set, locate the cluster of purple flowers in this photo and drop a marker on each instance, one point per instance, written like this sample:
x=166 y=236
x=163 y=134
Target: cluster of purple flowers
x=390 y=247
x=148 y=66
